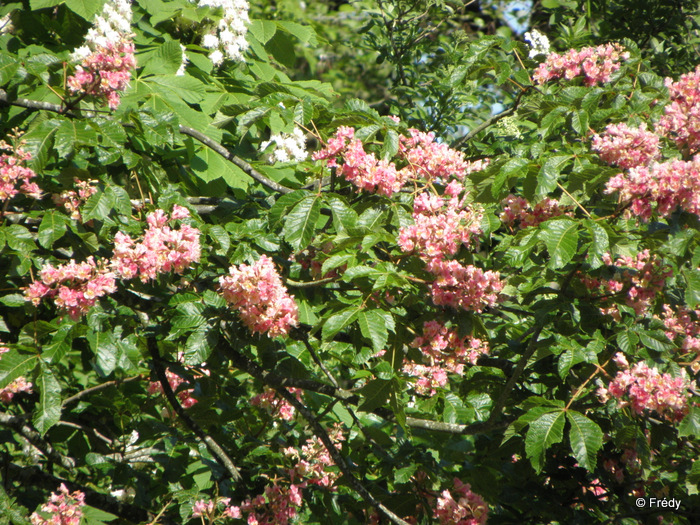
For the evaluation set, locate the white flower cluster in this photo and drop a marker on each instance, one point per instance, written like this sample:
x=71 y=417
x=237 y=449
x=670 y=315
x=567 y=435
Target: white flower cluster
x=228 y=41
x=539 y=43
x=6 y=24
x=111 y=27
x=181 y=70
x=288 y=146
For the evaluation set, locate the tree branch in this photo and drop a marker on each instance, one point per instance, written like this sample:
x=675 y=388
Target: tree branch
x=19 y=425
x=38 y=105
x=97 y=388
x=216 y=450
x=34 y=476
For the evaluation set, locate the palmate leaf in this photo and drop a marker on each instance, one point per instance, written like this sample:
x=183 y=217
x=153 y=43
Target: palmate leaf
x=561 y=238
x=48 y=412
x=300 y=224
x=586 y=438
x=544 y=432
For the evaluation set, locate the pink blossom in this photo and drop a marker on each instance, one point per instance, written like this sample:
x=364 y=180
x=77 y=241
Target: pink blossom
x=276 y=405
x=442 y=224
x=278 y=506
x=261 y=299
x=643 y=388
x=15 y=387
x=596 y=65
x=660 y=188
x=15 y=177
x=684 y=323
x=466 y=287
x=681 y=120
x=64 y=508
x=74 y=287
x=174 y=380
x=626 y=147
x=72 y=200
x=313 y=458
x=106 y=72
x=163 y=249
x=461 y=506
x=517 y=211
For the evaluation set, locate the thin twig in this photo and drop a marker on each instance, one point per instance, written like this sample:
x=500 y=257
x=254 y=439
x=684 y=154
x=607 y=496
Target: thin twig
x=97 y=388
x=216 y=450
x=21 y=427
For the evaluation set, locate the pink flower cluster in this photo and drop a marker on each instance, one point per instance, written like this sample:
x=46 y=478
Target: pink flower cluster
x=261 y=299
x=461 y=506
x=72 y=200
x=163 y=249
x=442 y=345
x=185 y=396
x=445 y=352
x=681 y=121
x=424 y=159
x=442 y=224
x=276 y=405
x=643 y=276
x=684 y=323
x=596 y=64
x=626 y=147
x=517 y=211
x=278 y=506
x=466 y=287
x=314 y=458
x=106 y=72
x=628 y=462
x=363 y=169
x=430 y=161
x=74 y=287
x=646 y=389
x=64 y=508
x=13 y=171
x=660 y=187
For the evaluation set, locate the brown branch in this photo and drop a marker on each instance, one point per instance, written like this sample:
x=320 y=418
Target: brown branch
x=19 y=425
x=97 y=388
x=38 y=105
x=34 y=476
x=216 y=450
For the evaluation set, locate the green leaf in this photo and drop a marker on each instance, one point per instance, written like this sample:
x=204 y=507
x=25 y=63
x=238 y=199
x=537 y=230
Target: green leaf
x=286 y=202
x=85 y=8
x=656 y=340
x=544 y=432
x=561 y=238
x=71 y=134
x=48 y=411
x=104 y=347
x=339 y=321
x=391 y=144
x=586 y=438
x=97 y=206
x=39 y=142
x=53 y=227
x=692 y=291
x=455 y=411
x=165 y=60
x=200 y=345
x=626 y=341
x=209 y=165
x=549 y=173
x=262 y=30
x=14 y=365
x=690 y=426
x=373 y=327
x=13 y=300
x=8 y=67
x=375 y=394
x=43 y=4
x=300 y=224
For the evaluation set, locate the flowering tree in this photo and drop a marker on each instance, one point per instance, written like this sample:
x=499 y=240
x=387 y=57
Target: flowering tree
x=233 y=293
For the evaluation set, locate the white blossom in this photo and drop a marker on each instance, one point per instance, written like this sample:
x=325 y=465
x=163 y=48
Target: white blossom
x=539 y=43
x=229 y=41
x=6 y=24
x=288 y=146
x=110 y=27
x=181 y=71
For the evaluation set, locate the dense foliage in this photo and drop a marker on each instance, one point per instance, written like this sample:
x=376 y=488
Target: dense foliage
x=375 y=262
